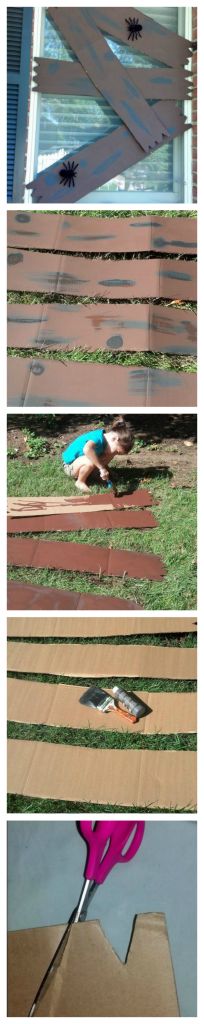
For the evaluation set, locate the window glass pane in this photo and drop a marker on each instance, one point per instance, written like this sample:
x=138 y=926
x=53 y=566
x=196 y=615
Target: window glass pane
x=66 y=123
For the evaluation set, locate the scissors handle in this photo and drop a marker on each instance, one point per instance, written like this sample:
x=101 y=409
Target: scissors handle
x=106 y=842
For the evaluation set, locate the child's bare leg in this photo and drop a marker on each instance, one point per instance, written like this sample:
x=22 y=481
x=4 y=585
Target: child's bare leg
x=81 y=470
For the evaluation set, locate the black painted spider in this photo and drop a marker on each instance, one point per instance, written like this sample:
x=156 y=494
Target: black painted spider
x=68 y=174
x=134 y=28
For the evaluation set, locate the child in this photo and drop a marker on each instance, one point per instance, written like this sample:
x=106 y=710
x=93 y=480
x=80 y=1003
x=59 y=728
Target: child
x=96 y=449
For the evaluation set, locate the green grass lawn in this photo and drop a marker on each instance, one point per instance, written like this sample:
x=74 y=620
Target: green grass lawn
x=174 y=541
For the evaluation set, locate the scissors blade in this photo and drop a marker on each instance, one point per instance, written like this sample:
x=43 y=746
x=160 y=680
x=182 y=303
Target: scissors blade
x=78 y=914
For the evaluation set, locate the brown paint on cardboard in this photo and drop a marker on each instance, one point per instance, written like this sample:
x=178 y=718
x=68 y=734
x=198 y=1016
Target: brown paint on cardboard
x=89 y=627
x=100 y=661
x=80 y=520
x=66 y=555
x=18 y=506
x=68 y=78
x=59 y=705
x=131 y=778
x=96 y=234
x=91 y=979
x=34 y=598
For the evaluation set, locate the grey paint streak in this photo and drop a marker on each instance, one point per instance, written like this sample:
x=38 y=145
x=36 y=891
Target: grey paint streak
x=107 y=163
x=27 y=319
x=175 y=275
x=115 y=342
x=116 y=282
x=161 y=242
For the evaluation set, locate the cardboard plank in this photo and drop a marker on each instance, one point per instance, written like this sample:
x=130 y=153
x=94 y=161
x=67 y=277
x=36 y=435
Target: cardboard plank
x=95 y=166
x=74 y=275
x=155 y=40
x=68 y=78
x=132 y=778
x=143 y=985
x=146 y=328
x=109 y=75
x=37 y=382
x=81 y=520
x=33 y=598
x=72 y=233
x=63 y=505
x=83 y=558
x=110 y=626
x=103 y=661
x=58 y=705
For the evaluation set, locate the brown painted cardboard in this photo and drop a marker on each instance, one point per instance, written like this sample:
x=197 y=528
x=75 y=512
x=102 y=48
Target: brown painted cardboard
x=66 y=555
x=68 y=78
x=108 y=74
x=144 y=328
x=131 y=778
x=58 y=627
x=75 y=275
x=38 y=382
x=78 y=519
x=95 y=166
x=59 y=705
x=91 y=980
x=18 y=506
x=100 y=661
x=156 y=41
x=33 y=598
x=87 y=234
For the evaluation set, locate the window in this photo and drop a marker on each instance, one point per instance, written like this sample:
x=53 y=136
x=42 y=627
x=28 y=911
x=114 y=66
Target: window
x=61 y=124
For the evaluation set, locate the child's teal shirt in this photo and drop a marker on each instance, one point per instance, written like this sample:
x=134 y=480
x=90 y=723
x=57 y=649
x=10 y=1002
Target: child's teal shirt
x=76 y=448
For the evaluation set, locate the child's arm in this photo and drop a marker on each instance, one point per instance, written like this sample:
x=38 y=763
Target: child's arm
x=90 y=451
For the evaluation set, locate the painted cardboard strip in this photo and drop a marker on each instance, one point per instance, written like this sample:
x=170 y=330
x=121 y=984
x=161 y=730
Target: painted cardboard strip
x=154 y=40
x=123 y=327
x=64 y=505
x=72 y=275
x=58 y=627
x=59 y=705
x=68 y=78
x=84 y=521
x=84 y=558
x=97 y=163
x=100 y=661
x=36 y=598
x=109 y=76
x=72 y=233
x=143 y=985
x=131 y=778
x=37 y=383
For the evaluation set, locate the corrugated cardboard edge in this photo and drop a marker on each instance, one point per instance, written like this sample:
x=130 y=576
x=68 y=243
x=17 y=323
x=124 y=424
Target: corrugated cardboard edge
x=102 y=660
x=93 y=627
x=59 y=705
x=91 y=979
x=130 y=778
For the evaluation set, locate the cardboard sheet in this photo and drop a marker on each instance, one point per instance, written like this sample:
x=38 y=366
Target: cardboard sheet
x=156 y=41
x=38 y=382
x=95 y=166
x=114 y=279
x=103 y=661
x=22 y=596
x=68 y=78
x=108 y=75
x=130 y=778
x=144 y=328
x=91 y=979
x=80 y=520
x=58 y=705
x=49 y=505
x=58 y=627
x=71 y=233
x=67 y=555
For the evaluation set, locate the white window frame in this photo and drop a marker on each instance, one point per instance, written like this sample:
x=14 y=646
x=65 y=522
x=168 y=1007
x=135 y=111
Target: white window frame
x=182 y=151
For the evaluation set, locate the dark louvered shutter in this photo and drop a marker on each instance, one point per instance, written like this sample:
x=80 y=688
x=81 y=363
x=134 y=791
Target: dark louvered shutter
x=19 y=33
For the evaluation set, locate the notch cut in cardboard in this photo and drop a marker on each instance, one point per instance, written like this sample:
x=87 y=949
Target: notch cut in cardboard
x=100 y=661
x=111 y=626
x=123 y=778
x=91 y=980
x=59 y=705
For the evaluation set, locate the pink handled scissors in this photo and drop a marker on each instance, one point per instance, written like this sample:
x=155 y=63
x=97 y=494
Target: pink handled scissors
x=109 y=843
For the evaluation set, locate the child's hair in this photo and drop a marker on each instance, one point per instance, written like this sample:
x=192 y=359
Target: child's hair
x=125 y=432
